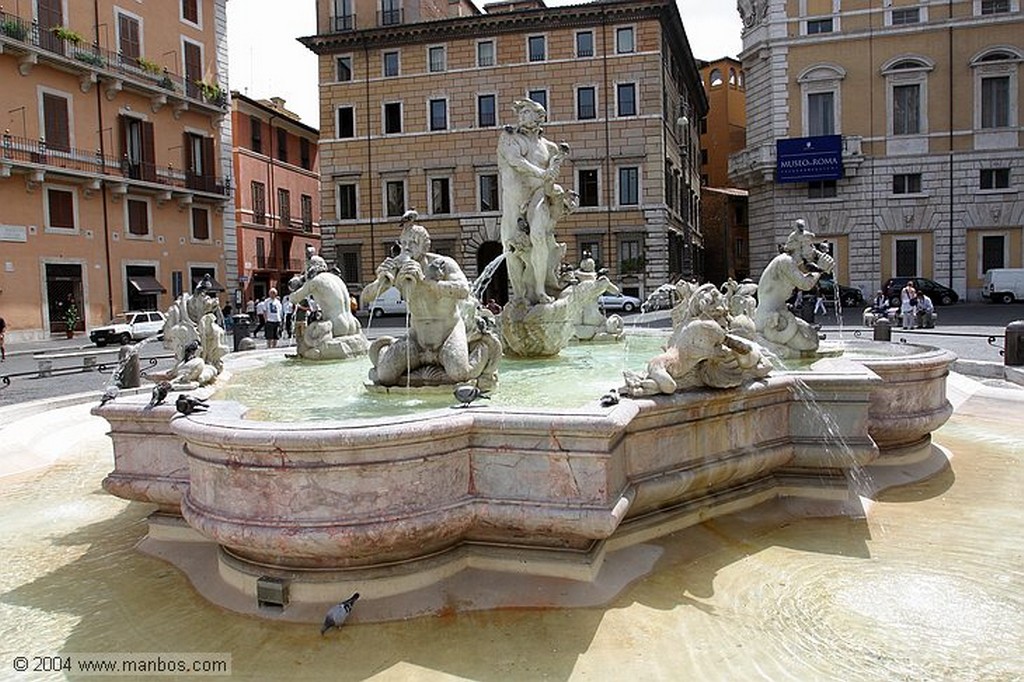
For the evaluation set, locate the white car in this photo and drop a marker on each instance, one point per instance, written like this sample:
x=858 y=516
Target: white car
x=626 y=304
x=388 y=303
x=132 y=326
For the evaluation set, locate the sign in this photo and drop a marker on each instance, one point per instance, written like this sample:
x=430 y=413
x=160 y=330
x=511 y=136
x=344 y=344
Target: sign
x=805 y=159
x=242 y=279
x=13 y=233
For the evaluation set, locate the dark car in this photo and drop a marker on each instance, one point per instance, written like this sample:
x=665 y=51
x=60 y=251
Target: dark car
x=850 y=297
x=939 y=293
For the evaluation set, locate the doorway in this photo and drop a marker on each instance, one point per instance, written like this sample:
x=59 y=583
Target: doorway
x=64 y=292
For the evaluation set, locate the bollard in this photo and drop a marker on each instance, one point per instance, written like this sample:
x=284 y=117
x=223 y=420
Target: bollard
x=240 y=328
x=1013 y=353
x=883 y=330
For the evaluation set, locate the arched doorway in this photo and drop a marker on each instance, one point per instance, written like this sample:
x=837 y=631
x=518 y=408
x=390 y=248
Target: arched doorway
x=497 y=288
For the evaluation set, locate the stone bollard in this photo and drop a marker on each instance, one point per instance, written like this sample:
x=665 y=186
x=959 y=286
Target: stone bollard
x=883 y=330
x=1013 y=353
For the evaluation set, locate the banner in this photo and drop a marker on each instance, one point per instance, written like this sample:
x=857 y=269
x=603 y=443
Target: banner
x=804 y=159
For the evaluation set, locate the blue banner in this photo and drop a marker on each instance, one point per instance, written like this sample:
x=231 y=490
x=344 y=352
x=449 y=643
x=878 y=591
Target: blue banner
x=804 y=159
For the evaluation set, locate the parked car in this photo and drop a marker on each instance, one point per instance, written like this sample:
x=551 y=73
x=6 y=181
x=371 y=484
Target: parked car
x=388 y=303
x=132 y=326
x=939 y=293
x=1004 y=285
x=626 y=304
x=849 y=297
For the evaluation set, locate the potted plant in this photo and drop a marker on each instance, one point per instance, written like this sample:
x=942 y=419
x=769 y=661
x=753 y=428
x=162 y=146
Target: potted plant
x=66 y=34
x=211 y=92
x=148 y=66
x=12 y=28
x=71 y=319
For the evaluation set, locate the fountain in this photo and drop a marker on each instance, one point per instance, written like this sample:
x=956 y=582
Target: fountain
x=395 y=503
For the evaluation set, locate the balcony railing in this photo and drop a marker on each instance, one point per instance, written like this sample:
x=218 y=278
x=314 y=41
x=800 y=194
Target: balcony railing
x=279 y=263
x=390 y=17
x=20 y=150
x=69 y=45
x=345 y=22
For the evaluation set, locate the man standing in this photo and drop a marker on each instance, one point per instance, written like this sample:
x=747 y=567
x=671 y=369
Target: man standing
x=289 y=312
x=274 y=314
x=261 y=317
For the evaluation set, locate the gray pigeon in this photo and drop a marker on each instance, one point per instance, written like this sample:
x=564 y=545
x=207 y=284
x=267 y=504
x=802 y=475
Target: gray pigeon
x=109 y=395
x=187 y=404
x=467 y=393
x=338 y=613
x=610 y=398
x=160 y=392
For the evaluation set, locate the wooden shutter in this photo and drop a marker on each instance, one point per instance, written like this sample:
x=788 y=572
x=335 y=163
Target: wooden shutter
x=128 y=39
x=190 y=10
x=55 y=120
x=209 y=179
x=193 y=69
x=51 y=13
x=148 y=152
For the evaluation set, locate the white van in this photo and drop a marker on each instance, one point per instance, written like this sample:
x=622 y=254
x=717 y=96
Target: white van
x=388 y=303
x=1004 y=285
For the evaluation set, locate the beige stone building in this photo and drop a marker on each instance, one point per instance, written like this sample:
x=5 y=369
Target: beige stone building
x=924 y=99
x=413 y=96
x=114 y=157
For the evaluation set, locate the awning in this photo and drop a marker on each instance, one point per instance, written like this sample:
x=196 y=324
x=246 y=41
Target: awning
x=147 y=284
x=214 y=284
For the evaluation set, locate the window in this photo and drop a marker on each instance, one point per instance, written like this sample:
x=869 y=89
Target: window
x=902 y=17
x=540 y=97
x=347 y=258
x=906 y=183
x=394 y=199
x=703 y=157
x=346 y=202
x=307 y=212
x=137 y=212
x=440 y=196
x=304 y=154
x=587 y=186
x=198 y=162
x=629 y=186
x=906 y=257
x=200 y=224
x=995 y=102
x=821 y=114
x=60 y=207
x=392 y=118
x=624 y=40
x=129 y=39
x=537 y=48
x=716 y=78
x=390 y=64
x=436 y=59
x=391 y=12
x=486 y=111
x=344 y=19
x=995 y=178
x=56 y=126
x=138 y=153
x=626 y=97
x=993 y=252
x=592 y=248
x=190 y=11
x=261 y=252
x=631 y=257
x=906 y=109
x=346 y=122
x=821 y=189
x=193 y=58
x=995 y=6
x=344 y=72
x=815 y=26
x=259 y=203
x=438 y=114
x=586 y=103
x=488 y=192
x=485 y=53
x=256 y=134
x=585 y=44
x=282 y=145
x=284 y=208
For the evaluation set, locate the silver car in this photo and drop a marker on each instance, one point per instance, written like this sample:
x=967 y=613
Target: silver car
x=626 y=304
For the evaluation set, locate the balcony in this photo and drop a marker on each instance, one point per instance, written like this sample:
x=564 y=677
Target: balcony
x=343 y=23
x=36 y=158
x=279 y=263
x=755 y=165
x=67 y=50
x=390 y=17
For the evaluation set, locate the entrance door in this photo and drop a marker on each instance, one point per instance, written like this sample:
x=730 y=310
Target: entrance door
x=497 y=288
x=64 y=291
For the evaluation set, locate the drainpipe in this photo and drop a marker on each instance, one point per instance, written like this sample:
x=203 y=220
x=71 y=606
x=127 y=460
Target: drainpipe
x=950 y=96
x=103 y=184
x=609 y=182
x=272 y=194
x=369 y=157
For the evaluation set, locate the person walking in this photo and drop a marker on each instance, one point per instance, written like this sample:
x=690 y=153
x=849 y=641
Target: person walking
x=289 y=314
x=819 y=302
x=261 y=317
x=273 y=316
x=3 y=333
x=908 y=299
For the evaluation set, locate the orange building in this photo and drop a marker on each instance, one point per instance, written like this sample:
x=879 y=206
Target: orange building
x=112 y=162
x=277 y=202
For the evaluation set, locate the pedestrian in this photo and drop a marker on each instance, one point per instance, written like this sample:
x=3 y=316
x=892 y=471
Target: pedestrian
x=819 y=302
x=272 y=315
x=261 y=317
x=3 y=333
x=289 y=315
x=908 y=299
x=226 y=315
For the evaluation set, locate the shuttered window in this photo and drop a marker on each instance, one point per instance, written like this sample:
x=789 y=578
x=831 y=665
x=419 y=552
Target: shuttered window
x=138 y=217
x=55 y=119
x=61 y=205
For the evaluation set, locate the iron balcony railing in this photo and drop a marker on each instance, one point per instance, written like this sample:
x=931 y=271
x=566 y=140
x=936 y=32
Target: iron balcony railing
x=345 y=22
x=390 y=17
x=20 y=150
x=71 y=46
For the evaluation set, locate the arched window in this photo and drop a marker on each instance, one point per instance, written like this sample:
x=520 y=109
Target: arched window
x=906 y=94
x=732 y=77
x=996 y=84
x=821 y=97
x=716 y=78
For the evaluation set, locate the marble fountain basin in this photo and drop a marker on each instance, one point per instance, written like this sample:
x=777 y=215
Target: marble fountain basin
x=402 y=501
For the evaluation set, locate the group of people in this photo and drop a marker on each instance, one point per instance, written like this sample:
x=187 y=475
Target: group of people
x=274 y=317
x=916 y=308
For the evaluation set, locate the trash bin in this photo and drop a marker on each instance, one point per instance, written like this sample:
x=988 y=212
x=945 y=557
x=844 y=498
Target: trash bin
x=1013 y=353
x=882 y=329
x=239 y=328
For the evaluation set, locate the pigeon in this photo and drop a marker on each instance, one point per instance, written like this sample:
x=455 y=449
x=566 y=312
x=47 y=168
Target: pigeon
x=190 y=350
x=187 y=404
x=338 y=613
x=610 y=398
x=160 y=392
x=467 y=393
x=109 y=395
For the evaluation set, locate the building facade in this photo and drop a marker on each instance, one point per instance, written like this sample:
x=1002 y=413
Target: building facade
x=893 y=127
x=113 y=159
x=277 y=197
x=413 y=98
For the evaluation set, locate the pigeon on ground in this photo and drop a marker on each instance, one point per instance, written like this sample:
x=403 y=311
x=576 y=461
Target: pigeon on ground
x=338 y=613
x=160 y=392
x=187 y=404
x=109 y=395
x=610 y=398
x=467 y=393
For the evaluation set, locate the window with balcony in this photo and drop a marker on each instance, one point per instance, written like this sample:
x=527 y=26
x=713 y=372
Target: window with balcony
x=200 y=224
x=625 y=97
x=129 y=41
x=537 y=48
x=284 y=208
x=584 y=44
x=485 y=53
x=344 y=69
x=346 y=122
x=344 y=17
x=390 y=13
x=391 y=66
x=586 y=186
x=488 y=192
x=193 y=58
x=258 y=193
x=306 y=204
x=137 y=216
x=56 y=121
x=995 y=178
x=282 y=145
x=437 y=59
x=394 y=197
x=438 y=114
x=629 y=186
x=346 y=201
x=440 y=196
x=625 y=40
x=486 y=111
x=906 y=183
x=256 y=134
x=138 y=149
x=199 y=173
x=586 y=103
x=60 y=209
x=392 y=118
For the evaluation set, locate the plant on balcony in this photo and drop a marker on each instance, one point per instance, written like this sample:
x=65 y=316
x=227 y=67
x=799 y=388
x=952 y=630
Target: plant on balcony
x=211 y=92
x=148 y=66
x=90 y=58
x=166 y=83
x=13 y=29
x=67 y=35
